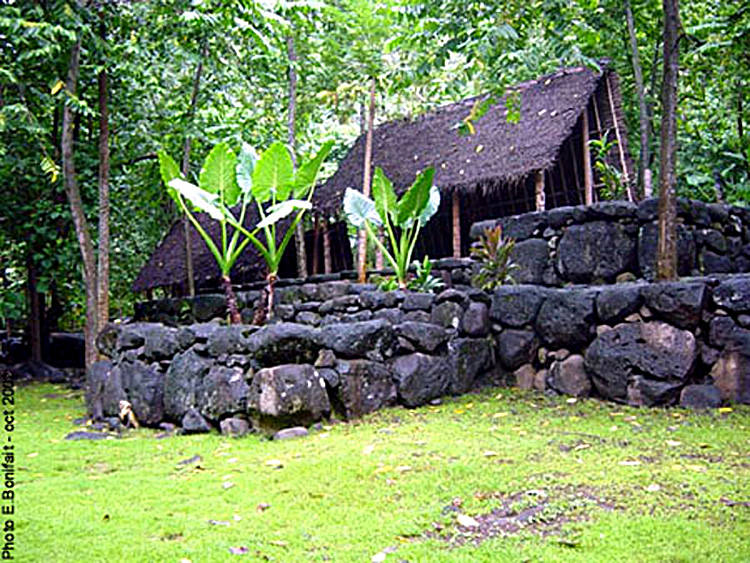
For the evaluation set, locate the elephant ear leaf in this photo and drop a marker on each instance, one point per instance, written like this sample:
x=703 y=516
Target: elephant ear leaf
x=359 y=208
x=200 y=199
x=274 y=174
x=279 y=211
x=246 y=163
x=433 y=203
x=308 y=172
x=169 y=171
x=219 y=175
x=384 y=195
x=415 y=199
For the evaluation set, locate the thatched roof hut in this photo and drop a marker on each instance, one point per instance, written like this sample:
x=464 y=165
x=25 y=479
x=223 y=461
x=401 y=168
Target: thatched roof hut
x=507 y=167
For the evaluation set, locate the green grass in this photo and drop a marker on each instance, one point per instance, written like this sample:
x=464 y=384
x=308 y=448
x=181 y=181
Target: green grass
x=348 y=492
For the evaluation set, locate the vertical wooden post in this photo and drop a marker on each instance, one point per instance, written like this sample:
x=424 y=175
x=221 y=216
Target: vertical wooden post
x=326 y=248
x=366 y=179
x=588 y=174
x=539 y=190
x=456 y=203
x=623 y=163
x=316 y=242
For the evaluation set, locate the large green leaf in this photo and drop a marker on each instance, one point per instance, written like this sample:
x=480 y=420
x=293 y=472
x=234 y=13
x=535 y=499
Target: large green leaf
x=308 y=172
x=433 y=203
x=359 y=209
x=273 y=174
x=199 y=198
x=277 y=212
x=219 y=174
x=169 y=171
x=245 y=166
x=415 y=199
x=384 y=195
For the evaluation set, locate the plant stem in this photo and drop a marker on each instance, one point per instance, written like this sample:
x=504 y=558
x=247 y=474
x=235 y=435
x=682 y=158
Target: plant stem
x=271 y=279
x=234 y=312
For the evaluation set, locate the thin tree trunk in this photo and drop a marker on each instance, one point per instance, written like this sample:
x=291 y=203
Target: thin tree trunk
x=35 y=313
x=299 y=232
x=102 y=291
x=327 y=263
x=588 y=174
x=366 y=178
x=456 y=213
x=187 y=228
x=644 y=154
x=76 y=208
x=666 y=259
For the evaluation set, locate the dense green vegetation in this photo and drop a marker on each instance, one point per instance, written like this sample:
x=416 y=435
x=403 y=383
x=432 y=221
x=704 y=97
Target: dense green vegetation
x=185 y=75
x=594 y=481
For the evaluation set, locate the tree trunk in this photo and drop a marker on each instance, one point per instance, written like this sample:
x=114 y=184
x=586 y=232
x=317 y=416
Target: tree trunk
x=35 y=310
x=666 y=259
x=327 y=263
x=102 y=291
x=299 y=232
x=366 y=178
x=76 y=208
x=187 y=228
x=645 y=125
x=234 y=312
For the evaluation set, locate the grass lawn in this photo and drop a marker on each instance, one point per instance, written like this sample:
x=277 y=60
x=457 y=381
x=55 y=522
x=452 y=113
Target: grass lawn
x=532 y=478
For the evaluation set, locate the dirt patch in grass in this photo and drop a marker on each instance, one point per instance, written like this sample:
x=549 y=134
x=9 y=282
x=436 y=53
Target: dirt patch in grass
x=539 y=512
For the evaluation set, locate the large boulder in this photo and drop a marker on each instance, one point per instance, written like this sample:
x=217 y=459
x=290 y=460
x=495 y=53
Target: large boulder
x=516 y=305
x=598 y=250
x=144 y=387
x=569 y=377
x=183 y=382
x=516 y=347
x=648 y=240
x=532 y=258
x=287 y=395
x=733 y=294
x=420 y=378
x=426 y=337
x=209 y=306
x=700 y=397
x=731 y=373
x=231 y=339
x=476 y=319
x=566 y=319
x=469 y=358
x=447 y=314
x=678 y=303
x=224 y=391
x=284 y=343
x=364 y=387
x=103 y=390
x=367 y=339
x=641 y=363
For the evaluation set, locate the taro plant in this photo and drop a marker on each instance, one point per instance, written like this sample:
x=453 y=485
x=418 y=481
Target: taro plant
x=496 y=266
x=423 y=280
x=401 y=219
x=227 y=185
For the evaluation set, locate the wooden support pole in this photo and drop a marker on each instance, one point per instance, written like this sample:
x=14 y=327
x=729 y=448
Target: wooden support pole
x=588 y=174
x=326 y=248
x=456 y=208
x=623 y=163
x=539 y=190
x=316 y=242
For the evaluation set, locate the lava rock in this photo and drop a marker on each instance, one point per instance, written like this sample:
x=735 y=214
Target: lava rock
x=365 y=387
x=469 y=358
x=647 y=363
x=569 y=377
x=700 y=397
x=532 y=258
x=209 y=306
x=291 y=433
x=287 y=395
x=614 y=303
x=648 y=239
x=426 y=337
x=566 y=319
x=194 y=423
x=595 y=250
x=418 y=302
x=731 y=373
x=678 y=303
x=733 y=294
x=224 y=391
x=83 y=435
x=516 y=347
x=372 y=339
x=144 y=387
x=100 y=390
x=183 y=383
x=283 y=343
x=420 y=378
x=228 y=340
x=476 y=320
x=516 y=306
x=447 y=314
x=234 y=427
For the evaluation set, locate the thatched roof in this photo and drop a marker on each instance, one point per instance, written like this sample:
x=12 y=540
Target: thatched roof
x=499 y=152
x=166 y=266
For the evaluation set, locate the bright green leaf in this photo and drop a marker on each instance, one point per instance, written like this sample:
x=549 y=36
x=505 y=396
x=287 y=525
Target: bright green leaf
x=245 y=166
x=359 y=208
x=201 y=199
x=384 y=195
x=273 y=174
x=308 y=172
x=281 y=210
x=219 y=174
x=415 y=199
